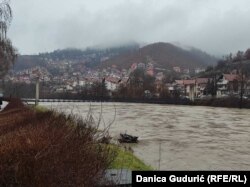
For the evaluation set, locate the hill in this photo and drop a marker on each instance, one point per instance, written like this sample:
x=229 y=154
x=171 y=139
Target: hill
x=28 y=61
x=90 y=57
x=163 y=55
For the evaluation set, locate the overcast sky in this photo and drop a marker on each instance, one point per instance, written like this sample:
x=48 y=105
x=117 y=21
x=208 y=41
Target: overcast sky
x=215 y=26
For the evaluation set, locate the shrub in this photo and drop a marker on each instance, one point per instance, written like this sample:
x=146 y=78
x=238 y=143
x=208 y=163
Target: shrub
x=49 y=149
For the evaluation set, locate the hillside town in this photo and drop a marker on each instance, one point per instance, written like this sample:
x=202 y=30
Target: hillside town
x=186 y=83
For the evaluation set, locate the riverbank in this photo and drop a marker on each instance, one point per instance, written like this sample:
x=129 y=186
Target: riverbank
x=227 y=102
x=45 y=148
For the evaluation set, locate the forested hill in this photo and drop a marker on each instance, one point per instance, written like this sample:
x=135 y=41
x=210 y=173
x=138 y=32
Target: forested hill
x=90 y=57
x=163 y=55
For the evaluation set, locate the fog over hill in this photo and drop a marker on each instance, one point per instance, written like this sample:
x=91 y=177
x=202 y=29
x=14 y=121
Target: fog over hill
x=164 y=55
x=90 y=57
x=215 y=26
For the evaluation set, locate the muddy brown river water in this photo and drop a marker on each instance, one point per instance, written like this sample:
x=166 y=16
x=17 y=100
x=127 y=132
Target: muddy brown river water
x=177 y=137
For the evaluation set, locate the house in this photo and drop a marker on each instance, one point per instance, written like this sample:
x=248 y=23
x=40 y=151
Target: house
x=171 y=87
x=247 y=88
x=160 y=76
x=150 y=72
x=192 y=88
x=69 y=88
x=133 y=67
x=177 y=69
x=228 y=84
x=141 y=66
x=124 y=81
x=186 y=87
x=200 y=86
x=186 y=71
x=82 y=82
x=112 y=83
x=199 y=70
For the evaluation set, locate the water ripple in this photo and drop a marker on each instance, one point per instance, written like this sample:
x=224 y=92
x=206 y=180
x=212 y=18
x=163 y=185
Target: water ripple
x=204 y=138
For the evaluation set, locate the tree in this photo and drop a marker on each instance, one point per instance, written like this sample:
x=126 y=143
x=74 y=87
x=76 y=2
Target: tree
x=243 y=75
x=5 y=18
x=209 y=69
x=247 y=54
x=239 y=56
x=7 y=51
x=99 y=90
x=229 y=58
x=164 y=92
x=210 y=88
x=139 y=82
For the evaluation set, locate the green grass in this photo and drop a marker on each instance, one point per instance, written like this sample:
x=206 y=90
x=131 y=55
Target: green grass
x=128 y=160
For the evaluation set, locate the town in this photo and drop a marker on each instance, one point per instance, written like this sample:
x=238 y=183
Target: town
x=141 y=80
x=120 y=93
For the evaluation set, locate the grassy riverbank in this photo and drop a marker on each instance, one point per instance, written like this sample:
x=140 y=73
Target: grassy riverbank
x=44 y=148
x=126 y=159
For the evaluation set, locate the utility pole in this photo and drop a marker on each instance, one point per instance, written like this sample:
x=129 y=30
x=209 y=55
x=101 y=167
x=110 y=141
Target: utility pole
x=214 y=81
x=241 y=88
x=159 y=163
x=241 y=84
x=37 y=92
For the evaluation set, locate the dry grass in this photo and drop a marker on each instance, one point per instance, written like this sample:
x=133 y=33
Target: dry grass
x=49 y=149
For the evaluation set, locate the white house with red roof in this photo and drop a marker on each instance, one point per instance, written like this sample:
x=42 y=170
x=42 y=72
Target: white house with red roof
x=112 y=83
x=228 y=84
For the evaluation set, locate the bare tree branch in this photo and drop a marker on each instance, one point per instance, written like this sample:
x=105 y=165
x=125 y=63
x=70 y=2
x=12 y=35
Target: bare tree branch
x=7 y=51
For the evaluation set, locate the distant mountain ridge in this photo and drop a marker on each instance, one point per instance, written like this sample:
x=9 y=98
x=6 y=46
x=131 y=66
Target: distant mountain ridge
x=90 y=57
x=27 y=62
x=163 y=55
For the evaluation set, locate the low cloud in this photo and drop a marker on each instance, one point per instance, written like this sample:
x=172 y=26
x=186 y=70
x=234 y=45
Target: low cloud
x=216 y=26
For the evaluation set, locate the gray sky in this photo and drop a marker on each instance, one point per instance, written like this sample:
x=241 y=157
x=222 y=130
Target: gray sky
x=215 y=26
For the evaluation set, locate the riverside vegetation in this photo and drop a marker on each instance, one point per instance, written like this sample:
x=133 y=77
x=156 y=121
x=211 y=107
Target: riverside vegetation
x=43 y=148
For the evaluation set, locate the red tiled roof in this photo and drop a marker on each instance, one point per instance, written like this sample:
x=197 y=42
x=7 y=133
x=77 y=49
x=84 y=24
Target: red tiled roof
x=231 y=77
x=202 y=80
x=185 y=82
x=179 y=81
x=112 y=79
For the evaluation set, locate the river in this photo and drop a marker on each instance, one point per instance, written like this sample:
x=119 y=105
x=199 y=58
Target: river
x=177 y=137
